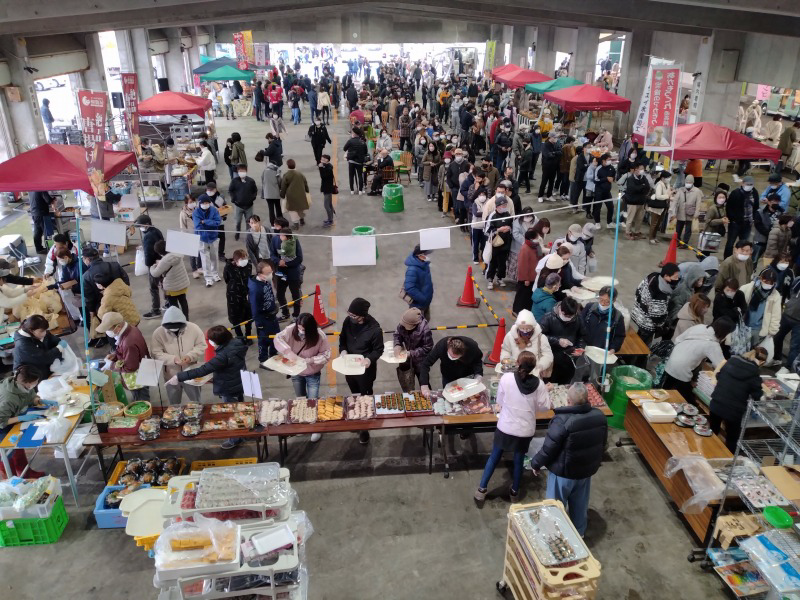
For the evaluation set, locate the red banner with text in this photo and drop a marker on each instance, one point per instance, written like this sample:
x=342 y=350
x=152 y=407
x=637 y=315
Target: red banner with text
x=662 y=109
x=130 y=96
x=93 y=107
x=241 y=51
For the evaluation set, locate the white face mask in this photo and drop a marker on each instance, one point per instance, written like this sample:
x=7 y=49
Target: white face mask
x=527 y=219
x=747 y=188
x=451 y=357
x=62 y=262
x=742 y=257
x=213 y=344
x=205 y=206
x=447 y=161
x=242 y=174
x=242 y=263
x=142 y=229
x=766 y=286
x=689 y=186
x=192 y=205
x=459 y=159
x=730 y=294
x=782 y=266
x=720 y=201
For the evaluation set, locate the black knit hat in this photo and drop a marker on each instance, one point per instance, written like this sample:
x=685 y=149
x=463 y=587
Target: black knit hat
x=359 y=307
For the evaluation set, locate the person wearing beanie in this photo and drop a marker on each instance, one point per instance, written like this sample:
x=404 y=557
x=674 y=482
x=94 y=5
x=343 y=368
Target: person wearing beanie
x=361 y=334
x=418 y=283
x=413 y=337
x=687 y=199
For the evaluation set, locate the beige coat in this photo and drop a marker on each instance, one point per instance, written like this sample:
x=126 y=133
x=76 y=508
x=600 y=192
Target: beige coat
x=117 y=298
x=777 y=242
x=167 y=346
x=173 y=269
x=294 y=188
x=686 y=203
x=538 y=344
x=662 y=192
x=772 y=312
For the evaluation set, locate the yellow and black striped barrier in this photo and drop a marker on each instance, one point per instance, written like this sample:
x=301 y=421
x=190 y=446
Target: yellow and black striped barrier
x=485 y=301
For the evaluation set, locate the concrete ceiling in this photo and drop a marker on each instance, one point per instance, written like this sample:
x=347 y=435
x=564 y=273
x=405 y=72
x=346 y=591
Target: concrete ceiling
x=43 y=17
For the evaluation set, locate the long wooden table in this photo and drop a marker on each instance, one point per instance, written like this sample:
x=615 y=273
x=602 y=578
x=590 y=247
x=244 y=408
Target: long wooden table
x=634 y=349
x=658 y=442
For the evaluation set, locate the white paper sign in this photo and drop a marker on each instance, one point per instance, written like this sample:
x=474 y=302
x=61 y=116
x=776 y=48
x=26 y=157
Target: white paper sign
x=354 y=250
x=181 y=242
x=251 y=384
x=108 y=232
x=434 y=239
x=149 y=372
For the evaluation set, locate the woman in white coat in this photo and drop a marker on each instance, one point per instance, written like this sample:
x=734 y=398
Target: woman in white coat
x=763 y=306
x=207 y=163
x=524 y=335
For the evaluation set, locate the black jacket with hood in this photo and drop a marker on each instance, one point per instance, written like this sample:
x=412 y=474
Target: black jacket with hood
x=737 y=381
x=226 y=366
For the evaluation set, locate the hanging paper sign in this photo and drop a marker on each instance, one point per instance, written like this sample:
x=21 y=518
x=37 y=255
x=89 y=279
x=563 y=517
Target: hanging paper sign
x=434 y=239
x=763 y=92
x=93 y=107
x=351 y=251
x=260 y=51
x=241 y=53
x=662 y=109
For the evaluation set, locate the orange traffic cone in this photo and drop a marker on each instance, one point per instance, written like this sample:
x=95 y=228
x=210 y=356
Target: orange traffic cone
x=319 y=311
x=672 y=251
x=468 y=295
x=494 y=357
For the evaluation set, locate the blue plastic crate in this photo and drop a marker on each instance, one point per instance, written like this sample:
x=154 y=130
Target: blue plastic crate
x=110 y=518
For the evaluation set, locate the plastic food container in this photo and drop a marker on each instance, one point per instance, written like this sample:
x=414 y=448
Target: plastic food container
x=777 y=517
x=659 y=412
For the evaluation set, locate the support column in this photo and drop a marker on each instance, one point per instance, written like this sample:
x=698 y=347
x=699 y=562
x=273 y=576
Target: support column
x=27 y=128
x=544 y=59
x=633 y=74
x=720 y=102
x=95 y=76
x=521 y=40
x=176 y=71
x=212 y=41
x=585 y=58
x=194 y=51
x=134 y=57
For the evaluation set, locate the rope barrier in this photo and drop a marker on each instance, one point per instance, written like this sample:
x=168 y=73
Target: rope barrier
x=389 y=331
x=485 y=301
x=287 y=305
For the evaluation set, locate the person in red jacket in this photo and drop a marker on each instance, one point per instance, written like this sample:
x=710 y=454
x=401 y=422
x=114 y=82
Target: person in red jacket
x=131 y=349
x=529 y=256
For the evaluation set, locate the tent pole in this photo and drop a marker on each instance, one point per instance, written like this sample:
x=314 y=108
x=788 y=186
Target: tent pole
x=611 y=299
x=86 y=322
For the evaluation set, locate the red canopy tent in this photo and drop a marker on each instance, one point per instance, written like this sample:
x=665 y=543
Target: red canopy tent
x=587 y=97
x=501 y=70
x=516 y=77
x=53 y=167
x=709 y=140
x=174 y=103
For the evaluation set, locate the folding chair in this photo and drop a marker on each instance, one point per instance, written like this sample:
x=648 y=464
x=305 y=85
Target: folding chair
x=396 y=138
x=404 y=166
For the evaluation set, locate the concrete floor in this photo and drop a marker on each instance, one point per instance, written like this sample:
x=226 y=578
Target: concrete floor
x=384 y=527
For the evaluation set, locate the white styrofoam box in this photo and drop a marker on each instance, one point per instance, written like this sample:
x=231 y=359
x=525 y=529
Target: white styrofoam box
x=659 y=412
x=75 y=444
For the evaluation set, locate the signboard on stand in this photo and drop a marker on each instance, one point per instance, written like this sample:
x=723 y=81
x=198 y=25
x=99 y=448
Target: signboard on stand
x=130 y=97
x=93 y=107
x=641 y=114
x=662 y=109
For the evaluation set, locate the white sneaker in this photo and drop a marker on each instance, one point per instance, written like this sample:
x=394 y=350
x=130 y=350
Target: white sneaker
x=475 y=262
x=352 y=193
x=315 y=437
x=491 y=285
x=609 y=226
x=502 y=283
x=444 y=215
x=653 y=242
x=540 y=199
x=209 y=282
x=551 y=199
x=360 y=192
x=196 y=274
x=216 y=278
x=597 y=226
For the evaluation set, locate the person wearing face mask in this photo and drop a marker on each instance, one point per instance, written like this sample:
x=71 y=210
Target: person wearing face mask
x=729 y=302
x=219 y=202
x=502 y=146
x=404 y=130
x=179 y=344
x=551 y=157
x=780 y=265
x=327 y=188
x=498 y=229
x=116 y=297
x=430 y=165
x=594 y=323
x=271 y=190
x=695 y=345
x=207 y=221
x=776 y=186
x=304 y=339
x=568 y=152
x=578 y=254
x=355 y=150
x=686 y=200
x=318 y=135
x=659 y=203
x=603 y=179
x=564 y=331
x=459 y=357
x=418 y=282
x=226 y=365
x=383 y=161
x=693 y=312
x=717 y=214
x=68 y=282
x=35 y=346
x=526 y=336
x=17 y=398
x=763 y=306
x=385 y=141
x=131 y=349
x=651 y=301
x=92 y=265
x=738 y=380
x=779 y=238
x=637 y=193
x=412 y=336
x=764 y=220
x=263 y=308
x=171 y=270
x=236 y=276
x=151 y=235
x=520 y=396
x=243 y=192
x=740 y=208
x=185 y=223
x=453 y=173
x=692 y=281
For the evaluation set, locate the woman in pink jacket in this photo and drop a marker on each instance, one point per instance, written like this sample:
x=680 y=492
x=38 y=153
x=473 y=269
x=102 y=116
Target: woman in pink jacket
x=520 y=396
x=304 y=339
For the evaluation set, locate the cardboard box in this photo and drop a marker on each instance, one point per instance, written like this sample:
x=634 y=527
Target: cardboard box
x=786 y=479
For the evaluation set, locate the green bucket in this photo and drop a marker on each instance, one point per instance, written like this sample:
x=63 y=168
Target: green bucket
x=393 y=198
x=365 y=230
x=616 y=397
x=370 y=147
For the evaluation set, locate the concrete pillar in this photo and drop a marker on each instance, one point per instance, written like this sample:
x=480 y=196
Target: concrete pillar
x=585 y=57
x=134 y=57
x=521 y=40
x=27 y=129
x=194 y=51
x=544 y=58
x=720 y=100
x=176 y=70
x=95 y=76
x=633 y=74
x=212 y=41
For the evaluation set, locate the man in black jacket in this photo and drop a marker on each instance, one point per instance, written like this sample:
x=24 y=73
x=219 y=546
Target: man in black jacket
x=355 y=150
x=243 y=192
x=460 y=357
x=150 y=235
x=361 y=334
x=40 y=212
x=93 y=265
x=274 y=150
x=594 y=321
x=564 y=331
x=637 y=191
x=451 y=176
x=741 y=206
x=551 y=157
x=318 y=134
x=572 y=453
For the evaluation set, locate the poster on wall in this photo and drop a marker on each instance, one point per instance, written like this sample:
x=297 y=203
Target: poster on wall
x=763 y=92
x=488 y=61
x=662 y=109
x=241 y=54
x=130 y=97
x=93 y=107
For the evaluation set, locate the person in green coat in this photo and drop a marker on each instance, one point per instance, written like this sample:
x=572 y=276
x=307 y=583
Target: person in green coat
x=17 y=396
x=294 y=188
x=543 y=297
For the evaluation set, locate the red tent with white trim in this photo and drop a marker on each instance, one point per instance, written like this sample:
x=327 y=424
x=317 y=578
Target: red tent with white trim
x=709 y=140
x=53 y=167
x=501 y=70
x=174 y=103
x=587 y=97
x=516 y=77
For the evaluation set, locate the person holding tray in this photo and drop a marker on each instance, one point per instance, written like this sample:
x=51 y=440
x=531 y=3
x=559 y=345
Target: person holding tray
x=460 y=357
x=305 y=340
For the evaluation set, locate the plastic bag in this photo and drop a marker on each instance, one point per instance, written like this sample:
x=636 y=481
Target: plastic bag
x=768 y=343
x=139 y=268
x=56 y=430
x=55 y=388
x=188 y=544
x=739 y=339
x=591 y=264
x=705 y=484
x=67 y=365
x=487 y=254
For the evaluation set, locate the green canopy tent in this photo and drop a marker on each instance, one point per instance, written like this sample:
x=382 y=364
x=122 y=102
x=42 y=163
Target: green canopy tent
x=552 y=85
x=227 y=73
x=213 y=64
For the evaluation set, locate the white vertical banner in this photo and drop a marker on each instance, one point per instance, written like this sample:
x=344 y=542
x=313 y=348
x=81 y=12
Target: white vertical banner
x=662 y=108
x=641 y=114
x=260 y=54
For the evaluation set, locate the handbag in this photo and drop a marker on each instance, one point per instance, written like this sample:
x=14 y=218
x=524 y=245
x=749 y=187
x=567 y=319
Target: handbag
x=405 y=297
x=497 y=241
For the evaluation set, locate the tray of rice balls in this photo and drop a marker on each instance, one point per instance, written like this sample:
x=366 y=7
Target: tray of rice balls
x=417 y=405
x=302 y=410
x=389 y=406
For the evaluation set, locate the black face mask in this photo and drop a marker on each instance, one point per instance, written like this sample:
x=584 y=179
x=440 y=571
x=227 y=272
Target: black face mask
x=673 y=284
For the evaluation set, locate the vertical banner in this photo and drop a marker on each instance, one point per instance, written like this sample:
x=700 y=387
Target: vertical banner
x=488 y=61
x=247 y=39
x=260 y=51
x=241 y=55
x=93 y=107
x=662 y=109
x=639 y=123
x=763 y=92
x=130 y=97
